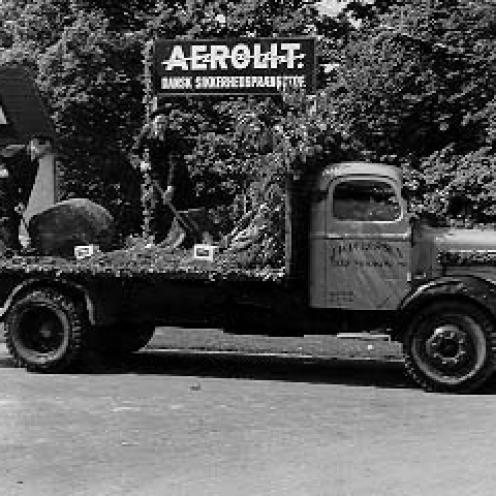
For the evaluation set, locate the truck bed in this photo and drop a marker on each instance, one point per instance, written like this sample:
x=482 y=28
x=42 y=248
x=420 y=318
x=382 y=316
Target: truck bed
x=153 y=284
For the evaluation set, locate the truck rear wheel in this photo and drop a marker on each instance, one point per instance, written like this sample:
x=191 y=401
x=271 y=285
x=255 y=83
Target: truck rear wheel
x=44 y=331
x=450 y=346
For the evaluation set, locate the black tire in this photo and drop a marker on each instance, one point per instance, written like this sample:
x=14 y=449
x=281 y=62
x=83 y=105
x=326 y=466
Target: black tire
x=450 y=346
x=122 y=339
x=44 y=331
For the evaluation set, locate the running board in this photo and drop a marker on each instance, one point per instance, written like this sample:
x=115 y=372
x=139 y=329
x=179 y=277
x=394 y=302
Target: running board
x=364 y=336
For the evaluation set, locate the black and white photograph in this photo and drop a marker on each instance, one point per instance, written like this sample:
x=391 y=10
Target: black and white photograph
x=247 y=247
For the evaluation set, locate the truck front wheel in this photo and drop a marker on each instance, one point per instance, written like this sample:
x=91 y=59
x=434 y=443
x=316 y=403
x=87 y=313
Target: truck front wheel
x=44 y=331
x=450 y=346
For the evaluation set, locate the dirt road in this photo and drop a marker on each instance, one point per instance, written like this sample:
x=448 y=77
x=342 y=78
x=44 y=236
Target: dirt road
x=175 y=424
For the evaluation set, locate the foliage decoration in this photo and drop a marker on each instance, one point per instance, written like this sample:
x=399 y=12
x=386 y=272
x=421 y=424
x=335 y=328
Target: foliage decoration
x=151 y=262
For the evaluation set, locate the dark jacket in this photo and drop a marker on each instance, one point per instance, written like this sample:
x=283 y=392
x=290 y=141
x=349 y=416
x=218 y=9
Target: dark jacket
x=167 y=164
x=17 y=187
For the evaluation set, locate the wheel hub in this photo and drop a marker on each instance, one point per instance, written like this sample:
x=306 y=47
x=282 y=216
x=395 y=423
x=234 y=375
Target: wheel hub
x=40 y=331
x=46 y=331
x=448 y=345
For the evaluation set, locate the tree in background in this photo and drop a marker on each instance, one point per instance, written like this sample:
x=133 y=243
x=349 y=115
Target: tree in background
x=228 y=137
x=88 y=60
x=415 y=86
x=408 y=82
x=89 y=76
x=28 y=27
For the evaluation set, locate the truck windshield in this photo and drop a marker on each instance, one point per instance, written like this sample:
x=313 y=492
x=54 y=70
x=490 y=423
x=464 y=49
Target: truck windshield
x=365 y=200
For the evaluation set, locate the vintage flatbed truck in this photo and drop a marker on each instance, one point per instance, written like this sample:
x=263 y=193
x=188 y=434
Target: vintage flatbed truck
x=370 y=266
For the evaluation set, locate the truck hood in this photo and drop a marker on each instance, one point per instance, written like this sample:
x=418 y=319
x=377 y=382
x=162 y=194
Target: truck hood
x=430 y=242
x=464 y=239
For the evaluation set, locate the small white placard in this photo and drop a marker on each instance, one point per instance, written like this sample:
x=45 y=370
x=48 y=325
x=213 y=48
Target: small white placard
x=204 y=252
x=85 y=251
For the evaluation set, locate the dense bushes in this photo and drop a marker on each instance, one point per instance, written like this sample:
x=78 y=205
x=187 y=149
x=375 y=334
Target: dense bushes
x=408 y=82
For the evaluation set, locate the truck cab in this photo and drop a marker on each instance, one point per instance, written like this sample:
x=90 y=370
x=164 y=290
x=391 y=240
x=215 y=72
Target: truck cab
x=368 y=257
x=360 y=238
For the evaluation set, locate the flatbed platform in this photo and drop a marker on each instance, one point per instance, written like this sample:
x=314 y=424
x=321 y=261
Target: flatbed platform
x=152 y=262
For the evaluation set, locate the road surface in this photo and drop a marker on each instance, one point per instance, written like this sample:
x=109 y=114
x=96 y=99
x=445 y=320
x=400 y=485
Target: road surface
x=168 y=423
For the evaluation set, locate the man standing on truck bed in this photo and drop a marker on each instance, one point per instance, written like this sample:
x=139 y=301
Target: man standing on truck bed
x=165 y=164
x=18 y=168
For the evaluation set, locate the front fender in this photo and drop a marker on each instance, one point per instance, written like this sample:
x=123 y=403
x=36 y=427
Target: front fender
x=479 y=291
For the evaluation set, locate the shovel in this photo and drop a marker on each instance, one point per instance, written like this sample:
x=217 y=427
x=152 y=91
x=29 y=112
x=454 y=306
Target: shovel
x=186 y=224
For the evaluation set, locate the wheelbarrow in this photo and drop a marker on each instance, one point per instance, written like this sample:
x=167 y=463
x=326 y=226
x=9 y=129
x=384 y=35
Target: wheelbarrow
x=188 y=227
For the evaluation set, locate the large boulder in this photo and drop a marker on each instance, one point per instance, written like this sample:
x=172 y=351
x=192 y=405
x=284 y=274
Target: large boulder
x=78 y=221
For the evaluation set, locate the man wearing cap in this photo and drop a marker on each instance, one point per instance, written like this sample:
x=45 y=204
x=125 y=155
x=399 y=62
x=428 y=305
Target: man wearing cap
x=18 y=168
x=165 y=164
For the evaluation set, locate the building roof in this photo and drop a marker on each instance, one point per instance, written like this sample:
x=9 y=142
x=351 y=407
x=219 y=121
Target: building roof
x=22 y=113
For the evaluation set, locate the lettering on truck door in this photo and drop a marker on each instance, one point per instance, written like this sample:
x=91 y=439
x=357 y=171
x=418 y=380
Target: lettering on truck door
x=367 y=246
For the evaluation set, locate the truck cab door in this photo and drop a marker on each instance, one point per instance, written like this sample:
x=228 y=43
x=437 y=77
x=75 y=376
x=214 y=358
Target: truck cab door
x=366 y=245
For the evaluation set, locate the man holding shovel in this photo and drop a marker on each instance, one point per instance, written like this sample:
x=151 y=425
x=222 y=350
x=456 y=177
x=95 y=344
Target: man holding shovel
x=158 y=153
